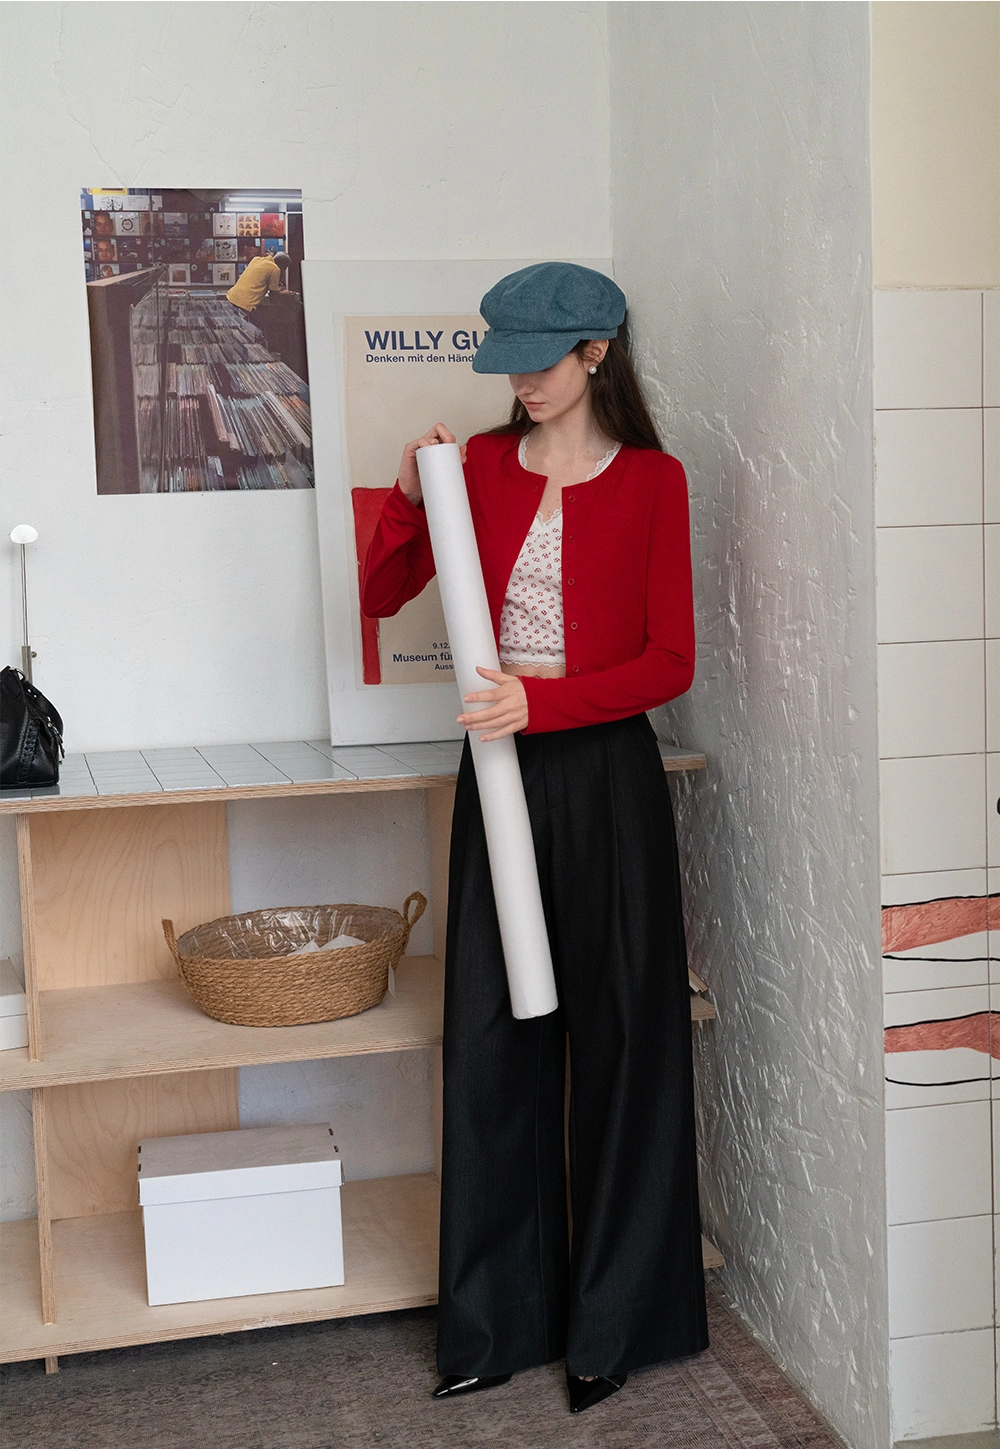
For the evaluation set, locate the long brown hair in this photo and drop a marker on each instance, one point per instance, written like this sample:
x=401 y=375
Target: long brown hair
x=619 y=408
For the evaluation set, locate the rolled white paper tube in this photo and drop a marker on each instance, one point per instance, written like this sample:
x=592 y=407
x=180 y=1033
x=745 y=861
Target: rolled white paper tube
x=498 y=774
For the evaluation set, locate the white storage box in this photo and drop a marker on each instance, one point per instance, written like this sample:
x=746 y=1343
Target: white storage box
x=230 y=1213
x=13 y=1009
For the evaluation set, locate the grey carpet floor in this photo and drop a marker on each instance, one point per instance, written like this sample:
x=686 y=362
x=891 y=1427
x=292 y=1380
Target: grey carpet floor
x=364 y=1383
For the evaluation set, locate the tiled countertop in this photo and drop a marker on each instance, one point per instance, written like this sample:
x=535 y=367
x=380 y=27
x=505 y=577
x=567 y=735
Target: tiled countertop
x=218 y=769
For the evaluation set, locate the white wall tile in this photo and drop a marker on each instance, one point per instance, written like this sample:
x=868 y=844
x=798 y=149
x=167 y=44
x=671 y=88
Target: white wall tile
x=991 y=349
x=993 y=887
x=938 y=1162
x=922 y=973
x=931 y=698
x=928 y=466
x=942 y=1384
x=961 y=961
x=992 y=811
x=939 y=1278
x=993 y=694
x=929 y=583
x=932 y=814
x=928 y=349
x=900 y=890
x=991 y=465
x=995 y=1108
x=934 y=1077
x=992 y=562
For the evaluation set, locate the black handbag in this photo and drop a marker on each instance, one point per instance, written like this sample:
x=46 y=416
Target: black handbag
x=30 y=734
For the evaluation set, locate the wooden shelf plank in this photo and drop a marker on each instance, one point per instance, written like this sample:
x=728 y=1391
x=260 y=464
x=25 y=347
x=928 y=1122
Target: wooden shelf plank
x=676 y=759
x=390 y=1253
x=92 y=1034
x=710 y=1255
x=89 y=786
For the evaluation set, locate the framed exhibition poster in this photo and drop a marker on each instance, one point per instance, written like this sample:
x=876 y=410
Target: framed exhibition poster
x=391 y=349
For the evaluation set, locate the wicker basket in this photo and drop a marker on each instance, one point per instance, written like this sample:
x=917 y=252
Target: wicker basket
x=239 y=968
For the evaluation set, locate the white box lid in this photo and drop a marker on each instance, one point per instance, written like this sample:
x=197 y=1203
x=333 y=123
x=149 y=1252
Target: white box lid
x=247 y=1163
x=12 y=1001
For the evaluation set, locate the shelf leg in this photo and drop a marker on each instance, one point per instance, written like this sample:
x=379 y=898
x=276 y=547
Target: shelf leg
x=52 y=1363
x=440 y=805
x=25 y=876
x=436 y=1092
x=39 y=1127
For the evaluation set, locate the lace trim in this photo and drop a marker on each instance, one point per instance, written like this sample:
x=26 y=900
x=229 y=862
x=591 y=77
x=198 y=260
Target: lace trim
x=609 y=457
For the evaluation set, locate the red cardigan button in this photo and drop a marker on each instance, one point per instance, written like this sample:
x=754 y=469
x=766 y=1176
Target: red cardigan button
x=572 y=626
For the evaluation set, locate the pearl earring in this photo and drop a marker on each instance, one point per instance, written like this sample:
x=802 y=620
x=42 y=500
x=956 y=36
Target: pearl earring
x=592 y=370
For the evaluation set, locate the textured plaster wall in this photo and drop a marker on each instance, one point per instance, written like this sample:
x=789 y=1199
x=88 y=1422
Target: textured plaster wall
x=741 y=232
x=414 y=130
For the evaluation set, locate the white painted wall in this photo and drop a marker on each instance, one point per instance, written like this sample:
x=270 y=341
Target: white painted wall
x=414 y=130
x=741 y=233
x=935 y=143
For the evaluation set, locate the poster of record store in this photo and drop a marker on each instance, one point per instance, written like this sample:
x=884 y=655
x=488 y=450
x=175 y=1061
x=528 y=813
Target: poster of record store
x=197 y=339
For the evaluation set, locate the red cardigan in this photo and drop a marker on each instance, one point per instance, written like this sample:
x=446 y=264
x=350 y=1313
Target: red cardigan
x=626 y=567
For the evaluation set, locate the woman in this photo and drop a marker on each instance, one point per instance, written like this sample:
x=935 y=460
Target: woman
x=582 y=526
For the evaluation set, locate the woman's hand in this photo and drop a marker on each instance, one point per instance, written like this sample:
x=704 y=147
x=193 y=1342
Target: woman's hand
x=507 y=706
x=409 y=477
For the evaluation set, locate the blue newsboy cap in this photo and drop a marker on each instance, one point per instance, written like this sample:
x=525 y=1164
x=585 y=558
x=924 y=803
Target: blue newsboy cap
x=540 y=313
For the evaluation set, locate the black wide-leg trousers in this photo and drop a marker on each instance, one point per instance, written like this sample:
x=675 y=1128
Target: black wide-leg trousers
x=631 y=1290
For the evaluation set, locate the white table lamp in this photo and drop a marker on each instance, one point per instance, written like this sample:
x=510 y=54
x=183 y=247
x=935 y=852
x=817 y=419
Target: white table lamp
x=24 y=534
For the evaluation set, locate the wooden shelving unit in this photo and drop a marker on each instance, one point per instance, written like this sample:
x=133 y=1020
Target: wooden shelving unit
x=118 y=1050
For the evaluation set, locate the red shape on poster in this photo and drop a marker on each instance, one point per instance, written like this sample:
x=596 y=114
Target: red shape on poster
x=367 y=504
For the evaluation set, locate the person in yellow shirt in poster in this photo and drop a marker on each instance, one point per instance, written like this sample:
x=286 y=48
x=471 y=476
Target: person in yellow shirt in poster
x=263 y=275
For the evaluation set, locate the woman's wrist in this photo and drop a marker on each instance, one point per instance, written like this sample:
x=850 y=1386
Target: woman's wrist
x=417 y=500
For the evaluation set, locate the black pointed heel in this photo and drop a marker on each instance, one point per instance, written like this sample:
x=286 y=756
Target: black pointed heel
x=585 y=1393
x=454 y=1384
